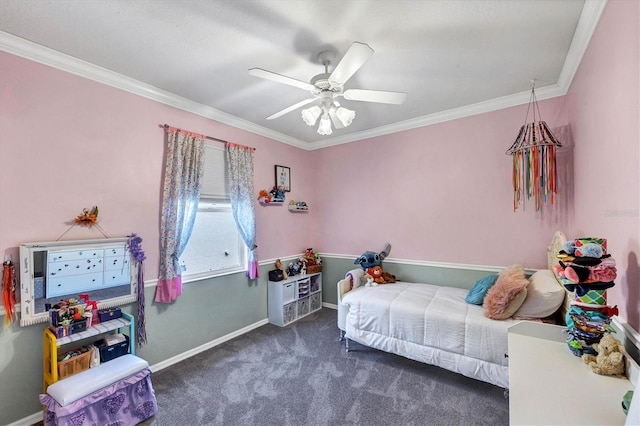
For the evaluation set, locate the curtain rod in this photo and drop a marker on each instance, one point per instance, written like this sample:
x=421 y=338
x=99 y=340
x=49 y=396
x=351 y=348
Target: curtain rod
x=166 y=126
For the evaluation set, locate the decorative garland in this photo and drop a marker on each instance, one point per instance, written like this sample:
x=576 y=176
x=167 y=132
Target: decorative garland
x=137 y=254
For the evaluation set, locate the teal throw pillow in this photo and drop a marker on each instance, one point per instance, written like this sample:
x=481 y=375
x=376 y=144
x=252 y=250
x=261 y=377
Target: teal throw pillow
x=480 y=288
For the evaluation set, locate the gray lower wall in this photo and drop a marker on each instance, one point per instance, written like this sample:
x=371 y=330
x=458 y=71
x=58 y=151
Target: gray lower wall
x=454 y=276
x=207 y=310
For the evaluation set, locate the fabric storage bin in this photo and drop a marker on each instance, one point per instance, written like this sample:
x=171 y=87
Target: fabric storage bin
x=289 y=312
x=303 y=306
x=109 y=314
x=107 y=353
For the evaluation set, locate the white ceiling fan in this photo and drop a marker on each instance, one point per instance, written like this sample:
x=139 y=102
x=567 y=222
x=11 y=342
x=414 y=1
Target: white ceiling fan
x=326 y=87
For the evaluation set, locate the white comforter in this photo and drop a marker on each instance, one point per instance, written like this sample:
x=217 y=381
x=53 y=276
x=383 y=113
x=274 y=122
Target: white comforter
x=430 y=324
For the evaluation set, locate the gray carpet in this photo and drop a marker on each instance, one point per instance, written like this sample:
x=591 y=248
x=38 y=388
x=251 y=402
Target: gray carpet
x=301 y=375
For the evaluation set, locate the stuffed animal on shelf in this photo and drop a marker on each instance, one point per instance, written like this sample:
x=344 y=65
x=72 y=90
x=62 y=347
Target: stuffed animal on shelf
x=264 y=196
x=309 y=257
x=279 y=266
x=610 y=359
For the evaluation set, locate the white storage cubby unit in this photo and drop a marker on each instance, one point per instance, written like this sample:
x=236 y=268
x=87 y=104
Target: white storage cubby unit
x=294 y=298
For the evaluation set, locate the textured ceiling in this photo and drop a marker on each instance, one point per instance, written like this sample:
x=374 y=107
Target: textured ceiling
x=452 y=58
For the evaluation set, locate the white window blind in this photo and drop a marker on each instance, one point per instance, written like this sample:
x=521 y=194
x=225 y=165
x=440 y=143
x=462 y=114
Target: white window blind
x=214 y=184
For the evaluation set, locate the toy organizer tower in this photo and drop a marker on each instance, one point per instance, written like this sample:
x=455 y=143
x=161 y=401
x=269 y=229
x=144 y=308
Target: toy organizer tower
x=587 y=270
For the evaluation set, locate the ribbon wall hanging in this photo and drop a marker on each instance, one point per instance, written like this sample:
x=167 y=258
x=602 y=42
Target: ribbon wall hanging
x=534 y=160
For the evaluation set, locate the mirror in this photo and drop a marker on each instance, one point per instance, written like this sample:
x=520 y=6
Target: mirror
x=61 y=270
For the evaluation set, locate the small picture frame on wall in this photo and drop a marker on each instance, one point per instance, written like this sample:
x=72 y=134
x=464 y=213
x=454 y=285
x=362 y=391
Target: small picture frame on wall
x=283 y=178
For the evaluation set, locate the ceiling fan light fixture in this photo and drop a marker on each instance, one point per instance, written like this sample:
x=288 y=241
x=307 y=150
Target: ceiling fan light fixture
x=310 y=115
x=325 y=125
x=345 y=116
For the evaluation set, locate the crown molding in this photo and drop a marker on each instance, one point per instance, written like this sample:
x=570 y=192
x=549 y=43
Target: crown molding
x=46 y=56
x=589 y=18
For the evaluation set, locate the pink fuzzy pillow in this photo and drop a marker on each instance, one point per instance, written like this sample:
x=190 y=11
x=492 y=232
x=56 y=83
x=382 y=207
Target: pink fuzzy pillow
x=507 y=295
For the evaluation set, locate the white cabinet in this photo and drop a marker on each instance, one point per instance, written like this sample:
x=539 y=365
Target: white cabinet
x=294 y=298
x=548 y=385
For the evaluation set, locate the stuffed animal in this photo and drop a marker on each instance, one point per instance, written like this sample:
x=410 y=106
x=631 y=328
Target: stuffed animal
x=376 y=273
x=309 y=257
x=379 y=276
x=264 y=196
x=279 y=266
x=388 y=278
x=369 y=282
x=369 y=259
x=610 y=360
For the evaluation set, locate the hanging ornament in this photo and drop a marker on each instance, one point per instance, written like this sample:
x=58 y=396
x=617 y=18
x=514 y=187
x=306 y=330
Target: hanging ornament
x=534 y=160
x=88 y=217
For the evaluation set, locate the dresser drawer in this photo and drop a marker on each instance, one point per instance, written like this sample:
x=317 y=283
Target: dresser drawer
x=67 y=255
x=120 y=262
x=74 y=267
x=116 y=277
x=63 y=286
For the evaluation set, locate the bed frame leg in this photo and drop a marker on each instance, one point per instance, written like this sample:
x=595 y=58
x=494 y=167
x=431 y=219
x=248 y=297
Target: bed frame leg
x=506 y=393
x=346 y=344
x=341 y=336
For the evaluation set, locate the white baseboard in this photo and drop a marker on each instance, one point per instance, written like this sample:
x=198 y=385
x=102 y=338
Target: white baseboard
x=28 y=421
x=37 y=417
x=188 y=354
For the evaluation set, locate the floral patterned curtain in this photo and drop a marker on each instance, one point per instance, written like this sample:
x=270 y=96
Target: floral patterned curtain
x=240 y=172
x=181 y=193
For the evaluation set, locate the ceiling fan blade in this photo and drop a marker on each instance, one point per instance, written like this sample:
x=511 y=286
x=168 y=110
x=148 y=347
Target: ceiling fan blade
x=291 y=108
x=279 y=78
x=375 y=96
x=351 y=62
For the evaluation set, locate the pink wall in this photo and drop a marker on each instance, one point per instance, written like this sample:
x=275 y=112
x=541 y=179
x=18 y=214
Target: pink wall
x=438 y=193
x=604 y=105
x=67 y=143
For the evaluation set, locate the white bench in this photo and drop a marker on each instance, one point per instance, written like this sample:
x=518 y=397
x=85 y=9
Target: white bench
x=87 y=382
x=82 y=393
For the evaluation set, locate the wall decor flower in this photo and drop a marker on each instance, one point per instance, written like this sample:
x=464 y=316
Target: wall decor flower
x=88 y=217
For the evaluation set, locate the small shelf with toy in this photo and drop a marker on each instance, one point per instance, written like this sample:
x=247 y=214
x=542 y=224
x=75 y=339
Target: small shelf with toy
x=273 y=198
x=299 y=206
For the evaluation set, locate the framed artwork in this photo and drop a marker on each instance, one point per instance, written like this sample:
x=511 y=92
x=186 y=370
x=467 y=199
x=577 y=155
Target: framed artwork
x=283 y=178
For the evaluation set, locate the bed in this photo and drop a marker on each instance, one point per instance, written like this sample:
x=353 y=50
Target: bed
x=436 y=325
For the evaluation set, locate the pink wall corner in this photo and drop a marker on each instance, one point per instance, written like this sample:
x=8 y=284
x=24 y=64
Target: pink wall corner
x=604 y=105
x=437 y=193
x=68 y=143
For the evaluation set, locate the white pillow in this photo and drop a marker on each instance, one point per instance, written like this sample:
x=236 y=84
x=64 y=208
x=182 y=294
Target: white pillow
x=544 y=296
x=356 y=277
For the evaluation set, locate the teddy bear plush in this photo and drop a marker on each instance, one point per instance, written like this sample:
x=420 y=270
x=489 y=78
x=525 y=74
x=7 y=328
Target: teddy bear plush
x=610 y=360
x=379 y=276
x=279 y=266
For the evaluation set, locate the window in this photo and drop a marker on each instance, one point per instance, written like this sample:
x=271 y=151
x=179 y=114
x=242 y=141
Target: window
x=215 y=246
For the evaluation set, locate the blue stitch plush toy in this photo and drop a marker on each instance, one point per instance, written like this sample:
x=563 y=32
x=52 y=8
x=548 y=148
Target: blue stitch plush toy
x=369 y=259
